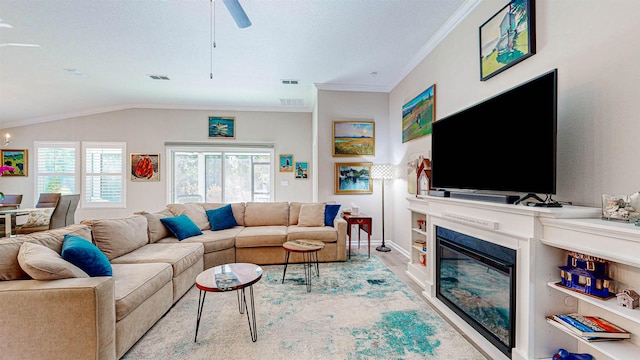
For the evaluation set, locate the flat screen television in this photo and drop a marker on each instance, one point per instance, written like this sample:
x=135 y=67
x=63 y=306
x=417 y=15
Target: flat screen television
x=504 y=144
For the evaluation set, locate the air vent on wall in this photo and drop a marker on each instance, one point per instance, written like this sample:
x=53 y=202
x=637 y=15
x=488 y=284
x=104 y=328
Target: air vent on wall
x=158 y=77
x=289 y=82
x=292 y=102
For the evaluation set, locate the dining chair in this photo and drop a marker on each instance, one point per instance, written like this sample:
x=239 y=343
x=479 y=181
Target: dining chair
x=13 y=202
x=62 y=215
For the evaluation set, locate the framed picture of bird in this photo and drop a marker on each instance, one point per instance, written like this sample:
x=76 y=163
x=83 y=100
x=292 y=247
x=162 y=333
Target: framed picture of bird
x=145 y=167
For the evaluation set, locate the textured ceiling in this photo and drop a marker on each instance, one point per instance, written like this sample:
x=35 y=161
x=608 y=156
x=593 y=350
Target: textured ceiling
x=109 y=47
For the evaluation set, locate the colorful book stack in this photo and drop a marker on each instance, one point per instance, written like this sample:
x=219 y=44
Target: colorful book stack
x=589 y=328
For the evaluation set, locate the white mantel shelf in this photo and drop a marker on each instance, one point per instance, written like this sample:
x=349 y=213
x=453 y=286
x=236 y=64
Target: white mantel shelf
x=541 y=237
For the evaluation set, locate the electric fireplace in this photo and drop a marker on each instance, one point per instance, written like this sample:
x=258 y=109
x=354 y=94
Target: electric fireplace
x=477 y=280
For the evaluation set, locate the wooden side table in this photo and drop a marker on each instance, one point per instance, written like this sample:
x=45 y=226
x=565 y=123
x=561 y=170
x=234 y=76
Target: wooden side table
x=363 y=221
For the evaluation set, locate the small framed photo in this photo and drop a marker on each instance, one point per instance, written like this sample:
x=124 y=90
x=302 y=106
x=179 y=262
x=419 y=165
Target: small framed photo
x=145 y=167
x=353 y=178
x=286 y=163
x=354 y=138
x=507 y=38
x=223 y=127
x=302 y=170
x=18 y=160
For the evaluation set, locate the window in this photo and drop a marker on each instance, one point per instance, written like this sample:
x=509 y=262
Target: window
x=220 y=175
x=57 y=168
x=103 y=174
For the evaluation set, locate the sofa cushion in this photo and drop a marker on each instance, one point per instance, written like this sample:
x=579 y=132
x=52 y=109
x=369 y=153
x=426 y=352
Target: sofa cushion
x=181 y=226
x=266 y=214
x=155 y=229
x=180 y=256
x=9 y=247
x=212 y=240
x=330 y=213
x=311 y=215
x=326 y=234
x=257 y=236
x=194 y=211
x=116 y=237
x=221 y=218
x=237 y=208
x=135 y=283
x=83 y=254
x=38 y=218
x=42 y=263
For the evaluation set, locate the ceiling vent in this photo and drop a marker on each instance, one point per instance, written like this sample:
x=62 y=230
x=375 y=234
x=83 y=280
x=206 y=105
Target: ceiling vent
x=290 y=82
x=292 y=102
x=158 y=77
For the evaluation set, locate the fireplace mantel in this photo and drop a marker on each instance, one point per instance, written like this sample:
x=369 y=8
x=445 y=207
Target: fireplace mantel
x=516 y=227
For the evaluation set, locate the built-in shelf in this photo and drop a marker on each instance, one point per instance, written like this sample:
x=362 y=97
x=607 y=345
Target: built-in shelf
x=610 y=305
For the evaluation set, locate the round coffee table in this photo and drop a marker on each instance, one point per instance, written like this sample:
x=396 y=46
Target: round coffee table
x=309 y=249
x=230 y=277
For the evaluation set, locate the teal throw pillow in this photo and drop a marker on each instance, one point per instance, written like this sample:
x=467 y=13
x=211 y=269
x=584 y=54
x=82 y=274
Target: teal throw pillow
x=181 y=226
x=221 y=218
x=330 y=213
x=86 y=256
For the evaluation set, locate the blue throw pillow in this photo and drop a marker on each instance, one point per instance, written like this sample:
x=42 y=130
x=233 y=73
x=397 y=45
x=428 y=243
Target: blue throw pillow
x=86 y=256
x=330 y=213
x=221 y=218
x=181 y=226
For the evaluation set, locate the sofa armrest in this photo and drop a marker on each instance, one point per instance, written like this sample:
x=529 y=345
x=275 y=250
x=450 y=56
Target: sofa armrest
x=55 y=319
x=341 y=225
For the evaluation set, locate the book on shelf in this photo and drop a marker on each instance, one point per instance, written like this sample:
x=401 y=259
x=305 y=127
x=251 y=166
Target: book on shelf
x=563 y=328
x=591 y=326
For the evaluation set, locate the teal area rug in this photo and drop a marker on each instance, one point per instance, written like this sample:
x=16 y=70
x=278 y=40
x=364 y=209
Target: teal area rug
x=357 y=309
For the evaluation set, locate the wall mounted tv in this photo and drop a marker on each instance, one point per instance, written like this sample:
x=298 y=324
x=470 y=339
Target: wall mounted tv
x=506 y=143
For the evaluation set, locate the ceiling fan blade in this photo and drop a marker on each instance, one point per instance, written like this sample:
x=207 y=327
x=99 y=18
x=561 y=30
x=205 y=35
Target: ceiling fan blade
x=237 y=13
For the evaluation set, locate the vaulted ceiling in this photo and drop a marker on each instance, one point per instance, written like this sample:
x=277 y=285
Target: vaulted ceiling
x=100 y=55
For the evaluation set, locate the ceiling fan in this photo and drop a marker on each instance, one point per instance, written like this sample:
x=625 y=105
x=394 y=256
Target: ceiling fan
x=237 y=13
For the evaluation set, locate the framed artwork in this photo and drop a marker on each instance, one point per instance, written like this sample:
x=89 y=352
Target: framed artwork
x=354 y=138
x=507 y=38
x=222 y=127
x=145 y=167
x=18 y=159
x=353 y=178
x=418 y=114
x=302 y=170
x=286 y=163
x=413 y=162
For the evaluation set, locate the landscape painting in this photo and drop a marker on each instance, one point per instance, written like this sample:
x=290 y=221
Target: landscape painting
x=353 y=178
x=418 y=114
x=16 y=159
x=354 y=138
x=507 y=38
x=222 y=127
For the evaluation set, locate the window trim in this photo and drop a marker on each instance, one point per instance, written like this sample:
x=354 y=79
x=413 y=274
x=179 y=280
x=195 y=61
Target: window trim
x=104 y=145
x=56 y=144
x=253 y=148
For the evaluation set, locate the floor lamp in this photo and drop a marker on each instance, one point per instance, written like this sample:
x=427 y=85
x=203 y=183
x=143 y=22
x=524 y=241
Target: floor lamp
x=382 y=172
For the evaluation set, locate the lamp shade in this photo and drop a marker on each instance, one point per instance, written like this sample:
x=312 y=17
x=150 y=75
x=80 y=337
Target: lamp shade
x=382 y=172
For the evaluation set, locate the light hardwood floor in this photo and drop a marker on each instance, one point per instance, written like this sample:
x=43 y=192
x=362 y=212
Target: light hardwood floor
x=397 y=263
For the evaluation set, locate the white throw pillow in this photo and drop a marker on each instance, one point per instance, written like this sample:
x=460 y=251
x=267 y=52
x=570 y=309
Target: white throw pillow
x=42 y=263
x=311 y=215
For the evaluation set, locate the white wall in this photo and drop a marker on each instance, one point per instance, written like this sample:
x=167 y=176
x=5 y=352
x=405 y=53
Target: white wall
x=594 y=46
x=146 y=130
x=340 y=105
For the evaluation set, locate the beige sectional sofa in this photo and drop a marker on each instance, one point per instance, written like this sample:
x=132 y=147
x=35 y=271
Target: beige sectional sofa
x=82 y=317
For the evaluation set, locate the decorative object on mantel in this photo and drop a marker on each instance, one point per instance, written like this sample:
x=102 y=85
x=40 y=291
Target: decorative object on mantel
x=586 y=274
x=628 y=298
x=413 y=162
x=507 y=38
x=424 y=177
x=621 y=207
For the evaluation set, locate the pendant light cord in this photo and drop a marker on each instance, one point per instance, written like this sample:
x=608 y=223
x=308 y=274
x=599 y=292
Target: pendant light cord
x=212 y=36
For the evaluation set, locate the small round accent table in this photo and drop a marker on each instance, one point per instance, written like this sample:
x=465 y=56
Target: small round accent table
x=309 y=250
x=230 y=277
